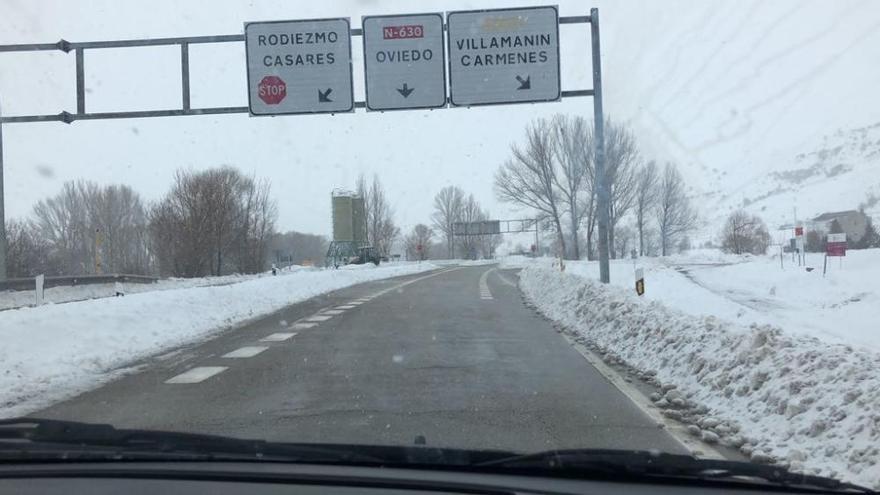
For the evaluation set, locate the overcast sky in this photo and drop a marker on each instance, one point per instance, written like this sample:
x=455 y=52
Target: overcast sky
x=705 y=83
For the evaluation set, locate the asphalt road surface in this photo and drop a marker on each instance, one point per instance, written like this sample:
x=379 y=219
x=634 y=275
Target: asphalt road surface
x=453 y=355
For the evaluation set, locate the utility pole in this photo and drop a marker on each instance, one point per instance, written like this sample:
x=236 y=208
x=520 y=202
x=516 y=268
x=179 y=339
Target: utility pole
x=2 y=212
x=599 y=138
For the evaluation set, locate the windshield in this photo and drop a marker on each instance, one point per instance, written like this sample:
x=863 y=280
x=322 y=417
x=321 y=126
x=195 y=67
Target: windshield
x=476 y=225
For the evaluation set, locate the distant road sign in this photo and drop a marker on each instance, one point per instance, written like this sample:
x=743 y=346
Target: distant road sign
x=404 y=62
x=503 y=56
x=640 y=281
x=484 y=227
x=310 y=58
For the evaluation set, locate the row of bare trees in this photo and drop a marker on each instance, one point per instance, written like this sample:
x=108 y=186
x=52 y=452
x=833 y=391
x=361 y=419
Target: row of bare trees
x=212 y=222
x=85 y=228
x=553 y=173
x=452 y=206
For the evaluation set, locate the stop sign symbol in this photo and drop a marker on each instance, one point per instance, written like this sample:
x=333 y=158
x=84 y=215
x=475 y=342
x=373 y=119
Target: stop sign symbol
x=272 y=90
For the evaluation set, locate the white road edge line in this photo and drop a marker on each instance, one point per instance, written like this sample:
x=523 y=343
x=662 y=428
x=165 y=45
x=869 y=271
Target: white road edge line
x=278 y=337
x=505 y=279
x=197 y=375
x=676 y=430
x=245 y=352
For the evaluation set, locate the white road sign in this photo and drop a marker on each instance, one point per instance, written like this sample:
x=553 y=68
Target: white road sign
x=404 y=61
x=299 y=67
x=503 y=56
x=836 y=237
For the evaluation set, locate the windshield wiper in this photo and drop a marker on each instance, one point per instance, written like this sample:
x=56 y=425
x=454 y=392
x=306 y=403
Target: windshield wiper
x=32 y=438
x=654 y=465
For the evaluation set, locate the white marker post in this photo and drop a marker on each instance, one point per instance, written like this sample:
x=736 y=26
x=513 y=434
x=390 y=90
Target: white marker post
x=38 y=293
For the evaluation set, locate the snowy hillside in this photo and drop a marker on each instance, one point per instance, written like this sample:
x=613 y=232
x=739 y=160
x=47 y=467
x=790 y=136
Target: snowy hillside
x=763 y=105
x=841 y=172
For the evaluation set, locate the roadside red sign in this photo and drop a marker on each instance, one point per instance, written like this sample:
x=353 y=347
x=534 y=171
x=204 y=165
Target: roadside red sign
x=835 y=249
x=836 y=245
x=272 y=90
x=798 y=231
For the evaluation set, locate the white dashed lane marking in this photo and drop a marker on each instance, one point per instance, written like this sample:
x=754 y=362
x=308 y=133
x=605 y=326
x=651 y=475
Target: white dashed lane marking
x=333 y=312
x=318 y=318
x=245 y=352
x=346 y=306
x=303 y=326
x=198 y=374
x=278 y=337
x=484 y=285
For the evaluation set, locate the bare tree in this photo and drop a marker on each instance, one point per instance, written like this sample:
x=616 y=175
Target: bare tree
x=470 y=212
x=381 y=230
x=529 y=178
x=624 y=241
x=258 y=214
x=421 y=235
x=744 y=233
x=27 y=252
x=675 y=216
x=447 y=211
x=572 y=142
x=645 y=200
x=621 y=157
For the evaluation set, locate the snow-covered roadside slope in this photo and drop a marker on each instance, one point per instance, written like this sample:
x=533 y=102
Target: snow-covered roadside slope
x=57 y=351
x=799 y=400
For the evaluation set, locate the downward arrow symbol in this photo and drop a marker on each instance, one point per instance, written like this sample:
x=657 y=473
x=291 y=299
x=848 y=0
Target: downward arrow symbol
x=324 y=97
x=406 y=90
x=524 y=83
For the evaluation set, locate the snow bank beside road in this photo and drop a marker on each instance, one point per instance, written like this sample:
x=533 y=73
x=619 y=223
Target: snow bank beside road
x=841 y=308
x=56 y=351
x=72 y=293
x=807 y=403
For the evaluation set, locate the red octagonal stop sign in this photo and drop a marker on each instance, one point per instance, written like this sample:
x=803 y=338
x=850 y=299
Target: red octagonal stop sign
x=272 y=90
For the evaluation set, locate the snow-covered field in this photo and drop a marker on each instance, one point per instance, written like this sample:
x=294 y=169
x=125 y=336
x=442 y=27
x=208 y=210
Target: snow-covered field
x=59 y=350
x=789 y=374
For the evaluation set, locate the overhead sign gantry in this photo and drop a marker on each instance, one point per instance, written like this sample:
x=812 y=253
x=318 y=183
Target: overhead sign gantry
x=496 y=57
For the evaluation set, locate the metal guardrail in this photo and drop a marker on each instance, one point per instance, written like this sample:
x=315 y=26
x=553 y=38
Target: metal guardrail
x=29 y=283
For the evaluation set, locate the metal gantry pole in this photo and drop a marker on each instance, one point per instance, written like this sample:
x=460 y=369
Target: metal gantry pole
x=599 y=139
x=2 y=211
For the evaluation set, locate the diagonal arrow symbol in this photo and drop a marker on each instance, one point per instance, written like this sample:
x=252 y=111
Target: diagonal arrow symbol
x=406 y=90
x=524 y=83
x=324 y=96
